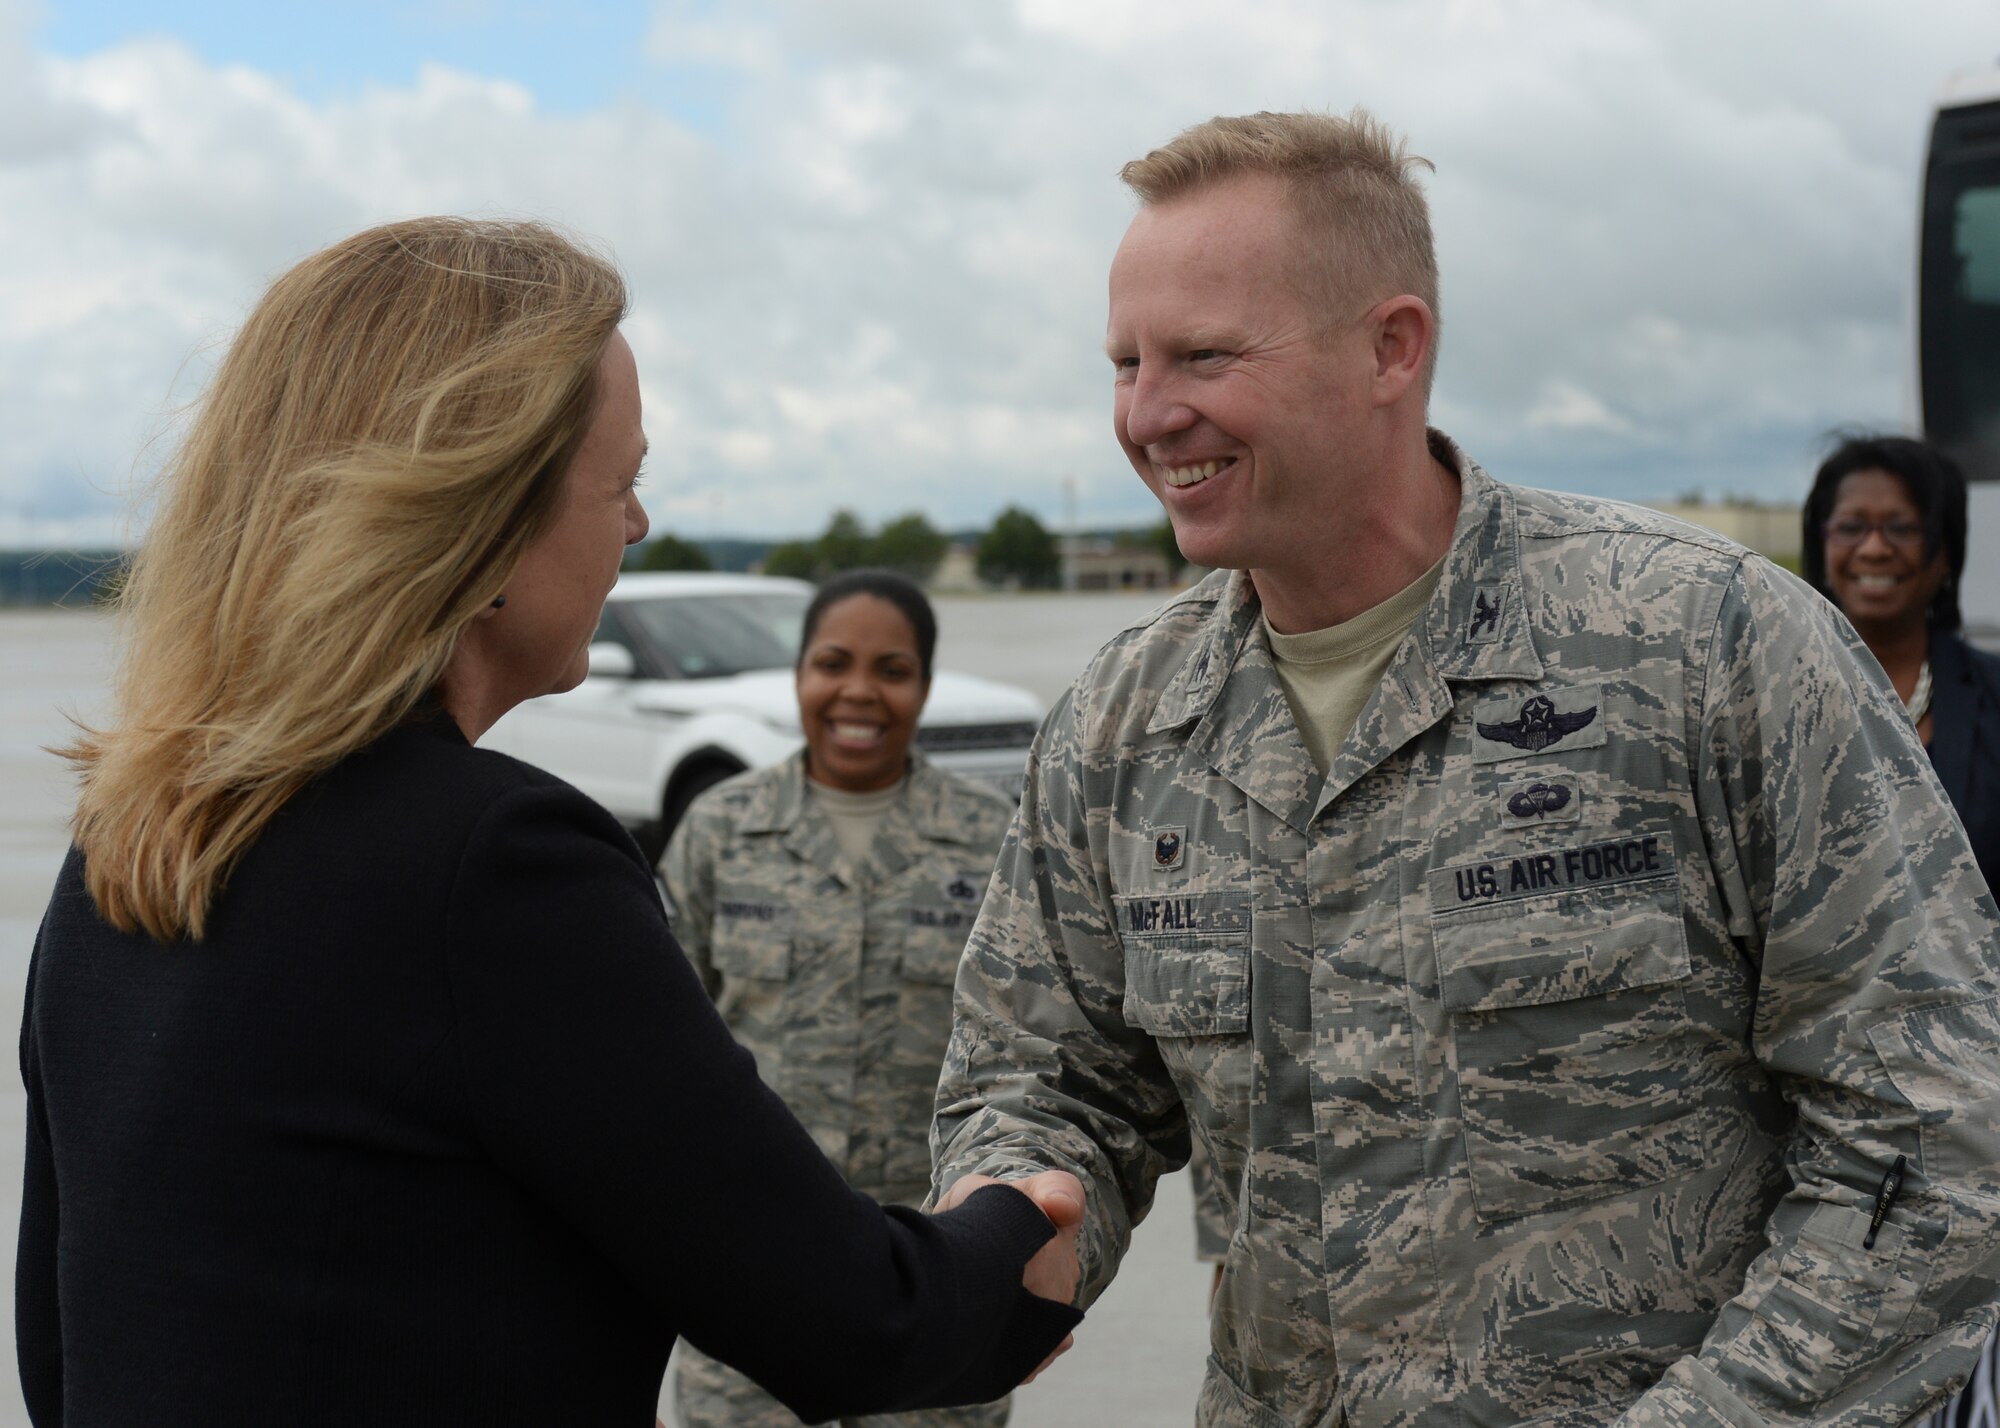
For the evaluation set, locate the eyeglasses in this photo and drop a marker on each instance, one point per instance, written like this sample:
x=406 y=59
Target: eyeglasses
x=1849 y=531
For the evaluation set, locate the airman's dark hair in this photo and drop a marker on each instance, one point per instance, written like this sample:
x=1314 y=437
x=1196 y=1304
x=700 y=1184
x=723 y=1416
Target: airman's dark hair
x=898 y=589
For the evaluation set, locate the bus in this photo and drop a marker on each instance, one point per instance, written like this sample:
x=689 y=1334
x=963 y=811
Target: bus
x=1958 y=319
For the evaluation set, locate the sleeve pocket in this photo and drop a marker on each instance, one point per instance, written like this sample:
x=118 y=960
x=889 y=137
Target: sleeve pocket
x=1946 y=1062
x=1833 y=1306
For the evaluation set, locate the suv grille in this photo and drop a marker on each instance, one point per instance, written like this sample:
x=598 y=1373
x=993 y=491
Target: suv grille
x=951 y=738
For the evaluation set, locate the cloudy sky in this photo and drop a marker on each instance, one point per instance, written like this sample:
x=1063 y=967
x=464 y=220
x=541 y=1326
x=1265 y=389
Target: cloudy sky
x=868 y=238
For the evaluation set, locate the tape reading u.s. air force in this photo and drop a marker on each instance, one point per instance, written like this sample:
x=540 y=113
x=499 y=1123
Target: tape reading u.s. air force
x=1206 y=916
x=951 y=919
x=1600 y=864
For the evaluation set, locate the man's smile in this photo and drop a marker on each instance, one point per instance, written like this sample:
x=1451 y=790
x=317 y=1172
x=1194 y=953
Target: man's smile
x=1188 y=475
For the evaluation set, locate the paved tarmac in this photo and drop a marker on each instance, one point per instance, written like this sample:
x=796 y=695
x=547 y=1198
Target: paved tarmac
x=1139 y=1356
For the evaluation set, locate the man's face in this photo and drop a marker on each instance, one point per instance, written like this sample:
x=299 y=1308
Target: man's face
x=1238 y=414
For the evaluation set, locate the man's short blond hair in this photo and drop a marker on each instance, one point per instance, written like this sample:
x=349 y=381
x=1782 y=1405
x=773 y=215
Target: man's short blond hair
x=1351 y=182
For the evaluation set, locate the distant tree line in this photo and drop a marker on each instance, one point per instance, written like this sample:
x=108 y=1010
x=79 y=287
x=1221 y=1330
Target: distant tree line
x=668 y=551
x=77 y=578
x=909 y=544
x=1016 y=550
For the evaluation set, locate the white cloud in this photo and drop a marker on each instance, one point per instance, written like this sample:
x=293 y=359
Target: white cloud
x=1564 y=406
x=1675 y=236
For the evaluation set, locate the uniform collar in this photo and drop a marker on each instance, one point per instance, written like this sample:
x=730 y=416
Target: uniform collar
x=1211 y=655
x=783 y=804
x=1475 y=627
x=778 y=803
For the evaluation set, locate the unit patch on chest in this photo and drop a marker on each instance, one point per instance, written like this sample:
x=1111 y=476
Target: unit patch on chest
x=1169 y=846
x=964 y=887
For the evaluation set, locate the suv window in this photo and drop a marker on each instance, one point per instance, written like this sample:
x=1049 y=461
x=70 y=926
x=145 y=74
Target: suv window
x=710 y=636
x=611 y=631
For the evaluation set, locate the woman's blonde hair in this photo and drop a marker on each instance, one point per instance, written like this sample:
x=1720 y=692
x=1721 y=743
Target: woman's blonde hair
x=385 y=437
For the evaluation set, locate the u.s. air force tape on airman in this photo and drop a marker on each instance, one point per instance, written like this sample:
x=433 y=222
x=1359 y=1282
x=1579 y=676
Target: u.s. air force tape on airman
x=1512 y=877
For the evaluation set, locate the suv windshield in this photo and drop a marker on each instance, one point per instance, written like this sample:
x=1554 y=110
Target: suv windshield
x=709 y=636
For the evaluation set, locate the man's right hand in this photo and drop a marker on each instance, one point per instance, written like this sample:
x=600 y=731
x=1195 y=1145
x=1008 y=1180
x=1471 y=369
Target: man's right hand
x=1053 y=1272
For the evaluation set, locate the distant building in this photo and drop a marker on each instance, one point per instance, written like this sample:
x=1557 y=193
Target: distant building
x=1101 y=563
x=1769 y=530
x=958 y=572
x=1125 y=561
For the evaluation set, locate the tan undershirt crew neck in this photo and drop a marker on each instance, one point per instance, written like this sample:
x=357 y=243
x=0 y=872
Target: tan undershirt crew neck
x=855 y=816
x=1328 y=675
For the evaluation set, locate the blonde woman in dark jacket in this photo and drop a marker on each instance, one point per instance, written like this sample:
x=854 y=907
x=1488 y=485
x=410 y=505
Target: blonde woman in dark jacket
x=365 y=1084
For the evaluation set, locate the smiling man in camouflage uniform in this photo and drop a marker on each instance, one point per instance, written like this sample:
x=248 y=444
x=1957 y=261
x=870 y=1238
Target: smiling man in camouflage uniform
x=1540 y=910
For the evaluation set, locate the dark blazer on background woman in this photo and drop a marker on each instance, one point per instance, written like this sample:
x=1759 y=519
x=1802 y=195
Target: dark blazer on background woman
x=1965 y=741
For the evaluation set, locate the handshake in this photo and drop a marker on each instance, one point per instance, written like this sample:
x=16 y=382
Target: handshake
x=1053 y=1271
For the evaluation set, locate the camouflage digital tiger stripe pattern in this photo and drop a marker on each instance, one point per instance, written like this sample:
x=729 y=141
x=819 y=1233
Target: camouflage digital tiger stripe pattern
x=1552 y=1050
x=839 y=980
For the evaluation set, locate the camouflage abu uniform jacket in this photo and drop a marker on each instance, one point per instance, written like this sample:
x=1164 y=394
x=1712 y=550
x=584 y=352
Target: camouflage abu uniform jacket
x=1629 y=928
x=838 y=979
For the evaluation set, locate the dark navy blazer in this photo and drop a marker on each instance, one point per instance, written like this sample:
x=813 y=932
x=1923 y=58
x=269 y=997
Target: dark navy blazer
x=1965 y=741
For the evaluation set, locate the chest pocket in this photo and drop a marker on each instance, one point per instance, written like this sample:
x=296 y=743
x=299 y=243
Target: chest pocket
x=751 y=936
x=1187 y=962
x=1579 y=1069
x=936 y=927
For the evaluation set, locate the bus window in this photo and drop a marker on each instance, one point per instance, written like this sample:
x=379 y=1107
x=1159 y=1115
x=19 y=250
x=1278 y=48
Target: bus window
x=1959 y=282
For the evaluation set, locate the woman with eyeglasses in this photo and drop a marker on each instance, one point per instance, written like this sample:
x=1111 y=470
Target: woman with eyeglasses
x=1885 y=541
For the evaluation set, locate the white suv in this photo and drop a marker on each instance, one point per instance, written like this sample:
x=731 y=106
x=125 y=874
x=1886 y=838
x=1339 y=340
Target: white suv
x=691 y=681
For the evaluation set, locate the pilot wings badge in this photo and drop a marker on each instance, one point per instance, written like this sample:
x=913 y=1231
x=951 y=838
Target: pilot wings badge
x=1540 y=722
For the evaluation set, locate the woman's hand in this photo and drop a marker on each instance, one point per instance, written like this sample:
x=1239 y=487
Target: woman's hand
x=1053 y=1272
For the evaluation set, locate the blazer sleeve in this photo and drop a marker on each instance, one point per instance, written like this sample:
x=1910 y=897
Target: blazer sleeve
x=601 y=1077
x=37 y=1310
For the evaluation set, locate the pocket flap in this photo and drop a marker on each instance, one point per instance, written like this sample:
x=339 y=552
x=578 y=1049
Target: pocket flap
x=751 y=937
x=1945 y=1060
x=1554 y=926
x=934 y=940
x=1187 y=962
